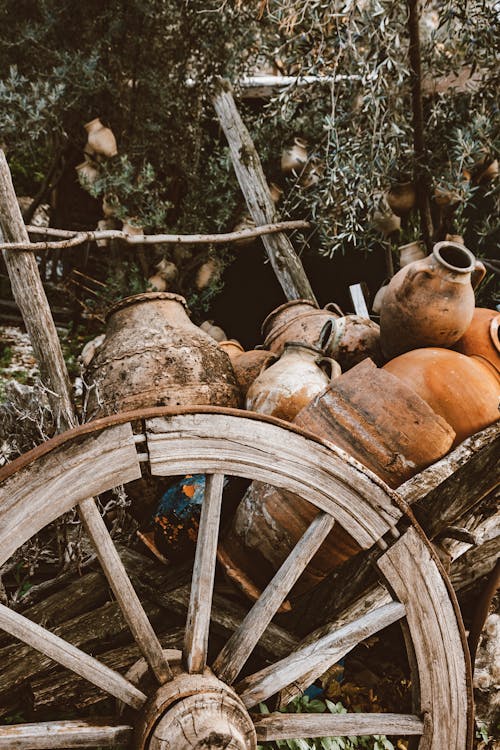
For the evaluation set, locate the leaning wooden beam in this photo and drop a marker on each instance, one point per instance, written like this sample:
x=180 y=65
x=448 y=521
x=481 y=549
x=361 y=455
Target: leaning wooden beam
x=71 y=657
x=282 y=726
x=270 y=680
x=50 y=735
x=284 y=260
x=30 y=297
x=73 y=239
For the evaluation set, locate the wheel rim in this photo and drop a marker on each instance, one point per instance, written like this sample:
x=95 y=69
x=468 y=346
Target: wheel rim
x=95 y=458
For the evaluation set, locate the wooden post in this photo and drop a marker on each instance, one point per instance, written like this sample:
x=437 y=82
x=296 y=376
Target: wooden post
x=31 y=299
x=284 y=260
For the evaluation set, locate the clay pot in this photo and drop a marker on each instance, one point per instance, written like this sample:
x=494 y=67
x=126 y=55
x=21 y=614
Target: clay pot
x=380 y=421
x=109 y=206
x=465 y=392
x=383 y=217
x=87 y=172
x=379 y=299
x=430 y=302
x=157 y=283
x=352 y=340
x=130 y=226
x=276 y=192
x=249 y=365
x=312 y=174
x=154 y=356
x=454 y=238
x=482 y=337
x=294 y=159
x=232 y=348
x=245 y=222
x=287 y=385
x=207 y=273
x=214 y=331
x=411 y=252
x=402 y=197
x=444 y=197
x=168 y=271
x=298 y=320
x=104 y=225
x=490 y=173
x=101 y=139
x=374 y=417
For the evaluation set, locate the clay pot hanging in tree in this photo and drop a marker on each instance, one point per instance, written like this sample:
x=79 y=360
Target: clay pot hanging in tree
x=100 y=139
x=383 y=217
x=402 y=198
x=154 y=356
x=430 y=302
x=462 y=390
x=294 y=158
x=411 y=252
x=87 y=173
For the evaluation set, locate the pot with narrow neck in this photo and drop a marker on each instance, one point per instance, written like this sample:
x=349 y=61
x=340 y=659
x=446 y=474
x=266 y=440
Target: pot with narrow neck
x=430 y=302
x=154 y=356
x=298 y=320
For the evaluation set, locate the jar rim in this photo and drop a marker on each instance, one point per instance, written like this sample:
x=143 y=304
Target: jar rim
x=145 y=297
x=457 y=248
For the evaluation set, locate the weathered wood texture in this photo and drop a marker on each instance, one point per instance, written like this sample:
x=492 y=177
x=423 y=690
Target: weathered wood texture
x=41 y=492
x=435 y=638
x=240 y=446
x=282 y=726
x=69 y=656
x=49 y=735
x=200 y=600
x=239 y=647
x=270 y=680
x=30 y=297
x=284 y=260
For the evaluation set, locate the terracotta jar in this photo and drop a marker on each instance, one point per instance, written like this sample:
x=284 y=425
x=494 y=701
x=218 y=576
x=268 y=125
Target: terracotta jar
x=287 y=385
x=371 y=415
x=298 y=320
x=352 y=340
x=430 y=302
x=244 y=222
x=214 y=331
x=294 y=159
x=465 y=392
x=402 y=197
x=482 y=337
x=410 y=252
x=100 y=139
x=87 y=172
x=154 y=356
x=249 y=365
x=232 y=348
x=379 y=298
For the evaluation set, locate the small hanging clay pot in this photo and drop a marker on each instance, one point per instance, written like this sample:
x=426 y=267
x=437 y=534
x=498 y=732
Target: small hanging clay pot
x=289 y=384
x=245 y=222
x=402 y=197
x=490 y=173
x=87 y=173
x=312 y=174
x=109 y=206
x=232 y=348
x=297 y=320
x=101 y=139
x=444 y=197
x=455 y=238
x=294 y=159
x=276 y=192
x=213 y=331
x=410 y=252
x=431 y=301
x=157 y=283
x=462 y=390
x=207 y=273
x=104 y=225
x=383 y=217
x=131 y=226
x=482 y=337
x=168 y=271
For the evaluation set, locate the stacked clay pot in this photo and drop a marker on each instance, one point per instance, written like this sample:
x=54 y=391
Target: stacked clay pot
x=482 y=338
x=376 y=418
x=463 y=390
x=154 y=356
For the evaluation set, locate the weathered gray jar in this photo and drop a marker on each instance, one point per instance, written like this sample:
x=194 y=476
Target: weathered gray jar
x=154 y=356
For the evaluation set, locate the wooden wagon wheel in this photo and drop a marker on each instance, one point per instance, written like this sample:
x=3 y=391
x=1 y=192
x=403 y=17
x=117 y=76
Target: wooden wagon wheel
x=193 y=705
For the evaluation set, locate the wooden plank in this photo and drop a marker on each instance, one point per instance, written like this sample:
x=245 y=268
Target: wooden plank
x=282 y=726
x=284 y=260
x=270 y=680
x=71 y=657
x=235 y=653
x=358 y=300
x=30 y=297
x=200 y=601
x=40 y=492
x=49 y=735
x=126 y=597
x=435 y=639
x=319 y=472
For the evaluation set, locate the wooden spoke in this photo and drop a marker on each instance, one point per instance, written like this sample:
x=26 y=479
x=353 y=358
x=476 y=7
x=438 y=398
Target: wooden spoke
x=200 y=602
x=69 y=656
x=235 y=653
x=124 y=591
x=282 y=726
x=47 y=735
x=272 y=679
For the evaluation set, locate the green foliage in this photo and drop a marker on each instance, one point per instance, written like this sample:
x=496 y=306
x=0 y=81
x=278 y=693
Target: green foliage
x=304 y=704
